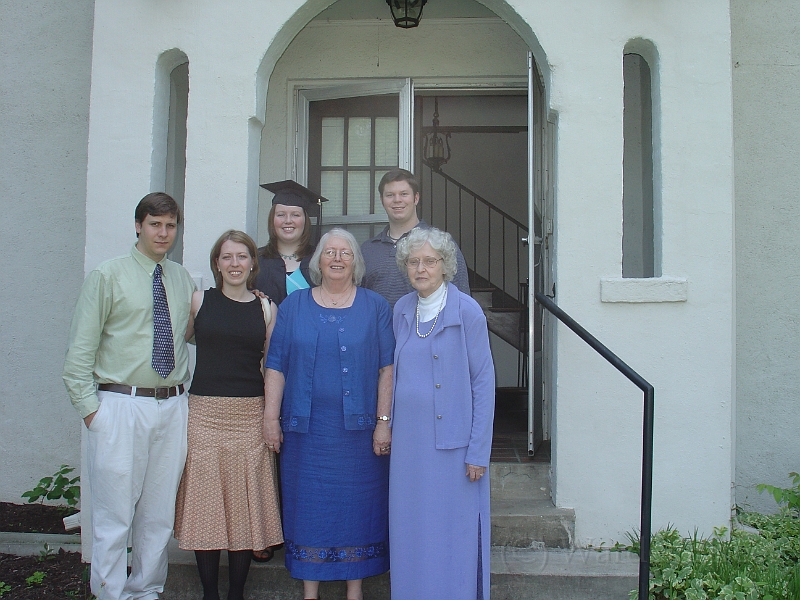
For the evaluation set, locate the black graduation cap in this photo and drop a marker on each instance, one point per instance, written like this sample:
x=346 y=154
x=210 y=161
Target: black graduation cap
x=292 y=193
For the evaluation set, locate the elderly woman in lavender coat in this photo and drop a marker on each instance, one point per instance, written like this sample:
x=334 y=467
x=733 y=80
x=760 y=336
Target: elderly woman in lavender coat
x=439 y=517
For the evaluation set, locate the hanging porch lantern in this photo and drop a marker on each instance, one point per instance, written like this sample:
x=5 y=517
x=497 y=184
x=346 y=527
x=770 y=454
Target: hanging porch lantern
x=436 y=144
x=406 y=13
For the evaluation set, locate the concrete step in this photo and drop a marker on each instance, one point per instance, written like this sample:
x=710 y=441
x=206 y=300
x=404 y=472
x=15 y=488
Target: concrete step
x=523 y=515
x=563 y=574
x=532 y=524
x=527 y=481
x=516 y=574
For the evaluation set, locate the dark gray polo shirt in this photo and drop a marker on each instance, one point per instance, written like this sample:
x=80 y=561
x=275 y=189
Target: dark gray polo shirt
x=385 y=278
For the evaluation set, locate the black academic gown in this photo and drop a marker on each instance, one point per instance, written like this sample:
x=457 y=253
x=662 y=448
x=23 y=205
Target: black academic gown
x=271 y=278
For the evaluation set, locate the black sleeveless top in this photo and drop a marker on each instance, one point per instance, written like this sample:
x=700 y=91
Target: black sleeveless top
x=230 y=347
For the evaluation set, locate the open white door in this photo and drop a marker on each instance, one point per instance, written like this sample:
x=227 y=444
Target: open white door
x=533 y=380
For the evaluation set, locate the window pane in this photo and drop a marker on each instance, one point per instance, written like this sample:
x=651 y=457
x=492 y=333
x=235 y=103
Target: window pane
x=361 y=232
x=332 y=190
x=359 y=141
x=386 y=141
x=358 y=193
x=332 y=142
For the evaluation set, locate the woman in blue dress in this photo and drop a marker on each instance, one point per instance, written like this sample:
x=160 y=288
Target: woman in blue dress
x=328 y=395
x=439 y=514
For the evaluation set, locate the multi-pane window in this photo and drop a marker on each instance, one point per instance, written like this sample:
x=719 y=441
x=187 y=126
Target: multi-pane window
x=352 y=143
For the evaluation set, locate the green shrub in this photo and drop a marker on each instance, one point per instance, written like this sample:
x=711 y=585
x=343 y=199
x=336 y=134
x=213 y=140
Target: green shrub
x=788 y=496
x=743 y=567
x=56 y=487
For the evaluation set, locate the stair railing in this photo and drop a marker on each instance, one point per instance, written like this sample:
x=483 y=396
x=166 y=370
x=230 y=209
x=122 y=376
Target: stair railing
x=484 y=232
x=647 y=434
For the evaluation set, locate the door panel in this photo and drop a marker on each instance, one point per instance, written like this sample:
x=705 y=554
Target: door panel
x=348 y=137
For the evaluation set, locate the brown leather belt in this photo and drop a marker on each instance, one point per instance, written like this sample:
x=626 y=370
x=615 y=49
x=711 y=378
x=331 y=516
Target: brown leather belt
x=159 y=393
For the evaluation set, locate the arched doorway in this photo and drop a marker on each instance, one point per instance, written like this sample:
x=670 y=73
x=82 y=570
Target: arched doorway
x=349 y=78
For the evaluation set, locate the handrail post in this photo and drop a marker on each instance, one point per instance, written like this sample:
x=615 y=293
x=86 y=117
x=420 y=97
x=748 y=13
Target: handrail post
x=647 y=434
x=647 y=493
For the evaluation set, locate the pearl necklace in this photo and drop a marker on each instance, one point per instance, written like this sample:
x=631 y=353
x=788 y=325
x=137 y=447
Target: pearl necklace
x=438 y=312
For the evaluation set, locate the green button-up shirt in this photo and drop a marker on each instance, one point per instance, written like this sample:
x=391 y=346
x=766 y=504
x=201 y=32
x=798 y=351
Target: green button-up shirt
x=111 y=338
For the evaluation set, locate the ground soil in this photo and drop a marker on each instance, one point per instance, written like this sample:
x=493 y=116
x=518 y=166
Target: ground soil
x=64 y=576
x=33 y=518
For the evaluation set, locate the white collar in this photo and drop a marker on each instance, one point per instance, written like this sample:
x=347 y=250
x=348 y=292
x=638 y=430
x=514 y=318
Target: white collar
x=430 y=306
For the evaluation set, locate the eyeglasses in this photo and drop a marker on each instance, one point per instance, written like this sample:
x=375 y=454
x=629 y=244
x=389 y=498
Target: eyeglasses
x=345 y=255
x=428 y=261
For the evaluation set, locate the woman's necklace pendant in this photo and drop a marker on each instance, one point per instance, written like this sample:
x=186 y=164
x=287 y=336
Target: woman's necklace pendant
x=344 y=300
x=292 y=256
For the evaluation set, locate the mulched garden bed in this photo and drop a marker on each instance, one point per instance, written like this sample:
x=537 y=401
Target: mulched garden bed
x=33 y=518
x=56 y=575
x=61 y=575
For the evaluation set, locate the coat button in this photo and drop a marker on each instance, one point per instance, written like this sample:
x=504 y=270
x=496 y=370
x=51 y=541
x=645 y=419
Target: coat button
x=435 y=356
x=438 y=416
x=344 y=370
x=344 y=348
x=341 y=329
x=347 y=392
x=438 y=385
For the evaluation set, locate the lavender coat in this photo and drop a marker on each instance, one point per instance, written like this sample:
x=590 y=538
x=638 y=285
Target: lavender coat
x=463 y=373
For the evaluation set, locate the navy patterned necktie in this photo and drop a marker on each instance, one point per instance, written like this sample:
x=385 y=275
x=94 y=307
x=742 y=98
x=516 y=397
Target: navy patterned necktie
x=163 y=349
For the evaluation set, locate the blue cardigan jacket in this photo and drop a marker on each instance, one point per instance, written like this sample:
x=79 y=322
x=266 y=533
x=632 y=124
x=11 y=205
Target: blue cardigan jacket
x=366 y=343
x=463 y=383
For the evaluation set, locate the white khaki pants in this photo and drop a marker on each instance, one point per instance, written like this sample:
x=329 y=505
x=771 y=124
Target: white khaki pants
x=136 y=453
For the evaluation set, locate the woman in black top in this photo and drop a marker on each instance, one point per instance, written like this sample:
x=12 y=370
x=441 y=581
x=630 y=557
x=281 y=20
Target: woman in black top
x=227 y=498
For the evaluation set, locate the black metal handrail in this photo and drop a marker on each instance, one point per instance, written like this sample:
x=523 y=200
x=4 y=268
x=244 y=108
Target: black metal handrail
x=482 y=253
x=647 y=434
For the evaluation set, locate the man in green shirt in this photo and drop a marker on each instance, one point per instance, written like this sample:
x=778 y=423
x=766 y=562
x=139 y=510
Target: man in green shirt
x=125 y=368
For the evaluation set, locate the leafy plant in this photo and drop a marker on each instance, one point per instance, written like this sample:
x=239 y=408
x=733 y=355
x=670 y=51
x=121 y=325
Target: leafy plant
x=46 y=553
x=740 y=567
x=788 y=496
x=4 y=587
x=57 y=486
x=36 y=579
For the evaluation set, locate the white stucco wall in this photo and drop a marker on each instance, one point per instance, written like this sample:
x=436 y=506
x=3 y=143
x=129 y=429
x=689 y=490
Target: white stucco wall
x=685 y=349
x=44 y=118
x=766 y=87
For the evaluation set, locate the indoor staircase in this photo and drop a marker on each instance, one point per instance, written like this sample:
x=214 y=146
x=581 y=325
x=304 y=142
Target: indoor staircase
x=490 y=240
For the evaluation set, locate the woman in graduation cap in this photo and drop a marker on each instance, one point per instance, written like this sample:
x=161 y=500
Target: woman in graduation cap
x=283 y=262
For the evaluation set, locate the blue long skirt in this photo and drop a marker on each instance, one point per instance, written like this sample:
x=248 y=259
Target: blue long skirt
x=334 y=488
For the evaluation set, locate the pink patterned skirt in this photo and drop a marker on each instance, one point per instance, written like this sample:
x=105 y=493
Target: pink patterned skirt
x=228 y=497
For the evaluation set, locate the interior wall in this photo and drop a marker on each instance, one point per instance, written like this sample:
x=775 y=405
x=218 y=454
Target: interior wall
x=44 y=103
x=766 y=118
x=493 y=165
